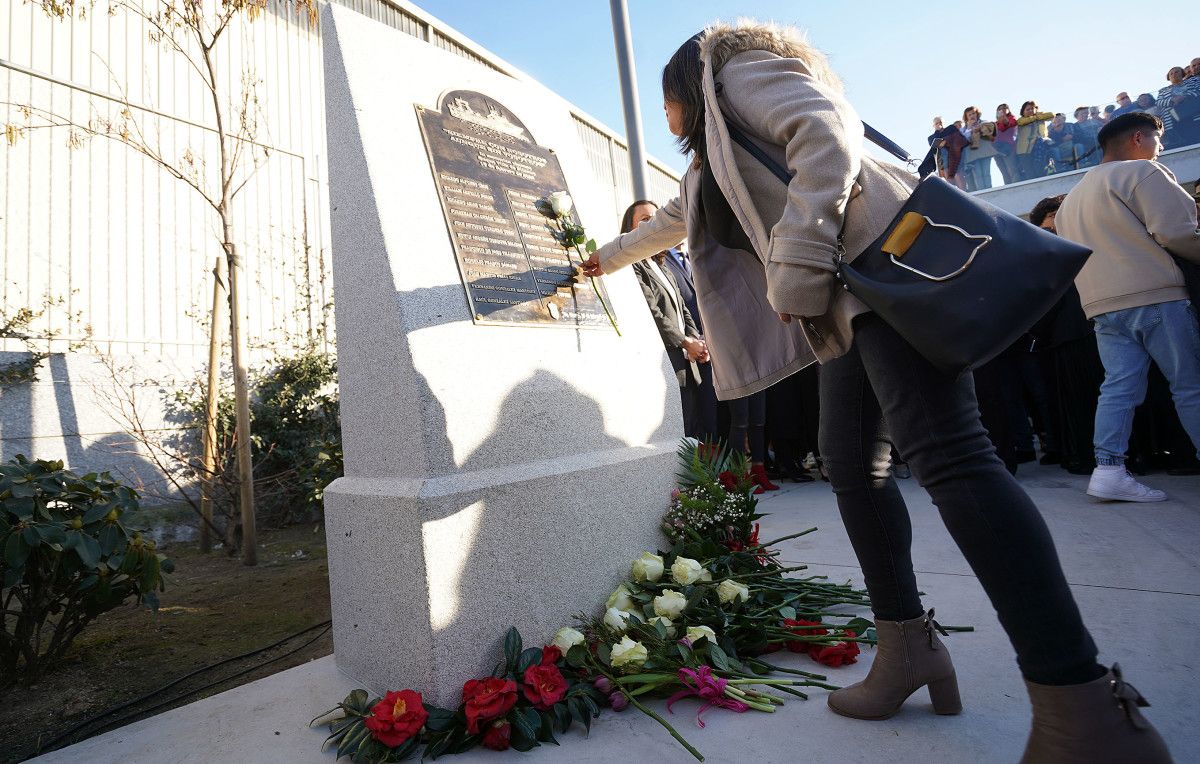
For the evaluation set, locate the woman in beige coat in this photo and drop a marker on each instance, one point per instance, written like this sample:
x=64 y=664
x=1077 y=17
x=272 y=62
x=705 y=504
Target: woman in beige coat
x=759 y=239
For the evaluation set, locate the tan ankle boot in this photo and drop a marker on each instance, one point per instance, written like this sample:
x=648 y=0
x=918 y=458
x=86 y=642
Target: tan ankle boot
x=1092 y=723
x=909 y=656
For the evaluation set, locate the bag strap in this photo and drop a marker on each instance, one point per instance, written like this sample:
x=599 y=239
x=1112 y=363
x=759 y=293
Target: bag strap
x=781 y=172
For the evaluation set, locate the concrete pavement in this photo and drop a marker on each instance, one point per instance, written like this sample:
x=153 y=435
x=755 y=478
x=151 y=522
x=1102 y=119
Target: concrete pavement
x=1134 y=568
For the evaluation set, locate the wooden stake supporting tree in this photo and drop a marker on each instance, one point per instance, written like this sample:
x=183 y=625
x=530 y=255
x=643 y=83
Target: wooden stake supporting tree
x=194 y=29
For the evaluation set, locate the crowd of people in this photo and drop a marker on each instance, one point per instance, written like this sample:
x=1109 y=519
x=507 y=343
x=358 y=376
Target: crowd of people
x=1034 y=143
x=1038 y=399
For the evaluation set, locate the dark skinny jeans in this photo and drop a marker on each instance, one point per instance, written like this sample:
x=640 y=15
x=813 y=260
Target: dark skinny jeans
x=933 y=420
x=748 y=421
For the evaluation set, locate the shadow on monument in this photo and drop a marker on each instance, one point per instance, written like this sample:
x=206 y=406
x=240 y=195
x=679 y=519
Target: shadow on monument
x=513 y=544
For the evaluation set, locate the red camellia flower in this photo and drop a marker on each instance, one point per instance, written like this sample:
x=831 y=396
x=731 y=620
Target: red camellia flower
x=841 y=654
x=497 y=736
x=728 y=480
x=397 y=717
x=551 y=655
x=544 y=686
x=803 y=647
x=485 y=700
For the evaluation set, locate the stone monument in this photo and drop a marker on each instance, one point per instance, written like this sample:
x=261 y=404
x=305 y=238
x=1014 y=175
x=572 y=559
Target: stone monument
x=506 y=453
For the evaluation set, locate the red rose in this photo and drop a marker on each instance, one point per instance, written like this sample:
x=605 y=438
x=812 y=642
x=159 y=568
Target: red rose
x=544 y=686
x=841 y=654
x=728 y=480
x=497 y=736
x=797 y=646
x=487 y=699
x=397 y=717
x=551 y=655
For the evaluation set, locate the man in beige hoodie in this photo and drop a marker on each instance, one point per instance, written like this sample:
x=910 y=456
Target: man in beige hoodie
x=1136 y=218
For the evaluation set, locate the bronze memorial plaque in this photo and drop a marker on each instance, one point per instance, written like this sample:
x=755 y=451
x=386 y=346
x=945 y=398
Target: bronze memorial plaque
x=489 y=172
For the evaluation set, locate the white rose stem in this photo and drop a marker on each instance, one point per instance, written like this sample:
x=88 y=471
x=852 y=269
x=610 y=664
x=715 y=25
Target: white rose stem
x=592 y=279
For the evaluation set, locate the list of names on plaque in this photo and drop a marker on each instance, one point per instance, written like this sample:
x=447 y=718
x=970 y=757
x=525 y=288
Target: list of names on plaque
x=489 y=172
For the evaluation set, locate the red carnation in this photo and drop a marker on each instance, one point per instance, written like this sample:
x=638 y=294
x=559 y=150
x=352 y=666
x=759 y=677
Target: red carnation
x=728 y=480
x=485 y=700
x=397 y=717
x=544 y=686
x=551 y=654
x=497 y=736
x=797 y=646
x=841 y=654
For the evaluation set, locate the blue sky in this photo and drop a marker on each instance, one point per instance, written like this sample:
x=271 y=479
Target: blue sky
x=902 y=62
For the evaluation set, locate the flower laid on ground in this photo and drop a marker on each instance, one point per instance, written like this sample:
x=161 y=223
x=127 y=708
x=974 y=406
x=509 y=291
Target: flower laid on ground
x=727 y=594
x=648 y=567
x=396 y=718
x=559 y=209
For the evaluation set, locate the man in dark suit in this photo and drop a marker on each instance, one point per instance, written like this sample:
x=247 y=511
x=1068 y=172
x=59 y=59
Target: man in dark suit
x=666 y=284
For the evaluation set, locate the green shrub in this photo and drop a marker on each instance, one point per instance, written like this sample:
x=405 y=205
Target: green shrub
x=296 y=437
x=66 y=559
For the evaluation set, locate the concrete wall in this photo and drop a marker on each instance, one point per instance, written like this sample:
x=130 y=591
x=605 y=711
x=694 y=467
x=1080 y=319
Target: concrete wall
x=129 y=249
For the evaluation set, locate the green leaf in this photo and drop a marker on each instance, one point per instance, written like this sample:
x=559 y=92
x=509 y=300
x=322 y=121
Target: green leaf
x=787 y=612
x=96 y=513
x=530 y=657
x=546 y=730
x=590 y=247
x=577 y=656
x=604 y=653
x=440 y=719
x=15 y=551
x=86 y=547
x=562 y=715
x=719 y=659
x=31 y=537
x=24 y=490
x=512 y=649
x=525 y=728
x=110 y=537
x=51 y=534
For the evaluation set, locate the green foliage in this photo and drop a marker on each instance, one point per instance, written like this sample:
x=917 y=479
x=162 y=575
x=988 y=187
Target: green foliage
x=67 y=558
x=297 y=440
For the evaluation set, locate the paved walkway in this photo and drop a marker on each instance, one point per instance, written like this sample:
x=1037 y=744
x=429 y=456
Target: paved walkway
x=1134 y=569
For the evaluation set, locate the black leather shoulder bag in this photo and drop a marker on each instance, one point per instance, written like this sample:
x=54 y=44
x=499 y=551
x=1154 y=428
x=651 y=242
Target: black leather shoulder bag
x=956 y=277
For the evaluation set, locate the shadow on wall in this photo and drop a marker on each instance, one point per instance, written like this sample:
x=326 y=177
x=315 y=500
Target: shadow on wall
x=113 y=452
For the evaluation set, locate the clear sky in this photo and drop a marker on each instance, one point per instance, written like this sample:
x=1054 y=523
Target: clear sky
x=903 y=62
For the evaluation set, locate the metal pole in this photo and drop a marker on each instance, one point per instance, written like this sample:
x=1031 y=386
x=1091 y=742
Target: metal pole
x=622 y=39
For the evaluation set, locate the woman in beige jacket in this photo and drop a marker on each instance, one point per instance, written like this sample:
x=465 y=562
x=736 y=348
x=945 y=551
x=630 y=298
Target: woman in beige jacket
x=755 y=239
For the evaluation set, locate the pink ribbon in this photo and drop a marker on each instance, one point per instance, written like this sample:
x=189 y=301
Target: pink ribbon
x=711 y=689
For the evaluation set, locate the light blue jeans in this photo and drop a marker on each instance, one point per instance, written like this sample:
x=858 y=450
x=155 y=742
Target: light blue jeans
x=1166 y=333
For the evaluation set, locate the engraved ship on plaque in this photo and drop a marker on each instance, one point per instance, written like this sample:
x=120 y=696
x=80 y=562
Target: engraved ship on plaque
x=493 y=120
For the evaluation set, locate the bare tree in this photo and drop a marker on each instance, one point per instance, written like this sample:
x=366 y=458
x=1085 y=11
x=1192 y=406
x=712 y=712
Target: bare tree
x=194 y=30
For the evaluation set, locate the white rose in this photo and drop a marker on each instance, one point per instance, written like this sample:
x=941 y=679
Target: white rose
x=706 y=576
x=697 y=633
x=686 y=571
x=669 y=604
x=666 y=622
x=648 y=567
x=617 y=620
x=628 y=653
x=620 y=599
x=561 y=202
x=566 y=638
x=731 y=591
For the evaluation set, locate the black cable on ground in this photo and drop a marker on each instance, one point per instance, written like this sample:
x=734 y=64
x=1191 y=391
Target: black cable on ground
x=55 y=743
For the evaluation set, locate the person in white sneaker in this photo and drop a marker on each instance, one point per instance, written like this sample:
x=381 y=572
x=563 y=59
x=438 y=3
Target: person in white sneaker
x=1136 y=218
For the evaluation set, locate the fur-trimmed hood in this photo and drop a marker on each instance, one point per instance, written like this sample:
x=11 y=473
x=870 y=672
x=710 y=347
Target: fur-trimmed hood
x=722 y=41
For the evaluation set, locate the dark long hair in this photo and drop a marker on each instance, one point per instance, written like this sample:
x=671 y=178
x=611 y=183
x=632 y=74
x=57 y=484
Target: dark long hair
x=681 y=84
x=627 y=218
